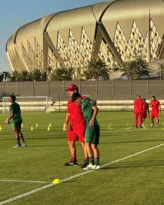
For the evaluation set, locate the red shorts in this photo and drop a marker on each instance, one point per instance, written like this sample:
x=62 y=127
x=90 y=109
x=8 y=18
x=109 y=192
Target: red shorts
x=154 y=115
x=76 y=133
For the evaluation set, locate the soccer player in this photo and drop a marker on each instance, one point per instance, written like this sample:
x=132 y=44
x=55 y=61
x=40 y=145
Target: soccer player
x=138 y=110
x=92 y=132
x=145 y=109
x=156 y=108
x=16 y=118
x=76 y=131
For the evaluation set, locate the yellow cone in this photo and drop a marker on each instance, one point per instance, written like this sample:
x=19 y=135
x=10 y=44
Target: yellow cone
x=37 y=125
x=56 y=181
x=0 y=128
x=49 y=128
x=49 y=125
x=32 y=129
x=22 y=125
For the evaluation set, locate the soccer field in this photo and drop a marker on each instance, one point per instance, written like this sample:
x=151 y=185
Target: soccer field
x=132 y=172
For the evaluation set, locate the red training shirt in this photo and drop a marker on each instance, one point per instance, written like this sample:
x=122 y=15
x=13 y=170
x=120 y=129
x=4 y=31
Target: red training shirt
x=76 y=115
x=155 y=105
x=138 y=105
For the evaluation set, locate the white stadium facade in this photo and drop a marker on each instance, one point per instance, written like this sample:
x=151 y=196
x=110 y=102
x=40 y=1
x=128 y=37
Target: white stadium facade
x=116 y=32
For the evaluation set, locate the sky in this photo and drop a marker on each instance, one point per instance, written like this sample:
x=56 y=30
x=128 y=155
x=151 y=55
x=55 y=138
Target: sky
x=15 y=13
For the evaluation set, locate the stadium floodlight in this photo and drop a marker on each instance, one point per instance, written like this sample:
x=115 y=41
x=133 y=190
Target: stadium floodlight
x=29 y=103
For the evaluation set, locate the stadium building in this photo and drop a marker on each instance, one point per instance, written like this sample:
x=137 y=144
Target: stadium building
x=116 y=32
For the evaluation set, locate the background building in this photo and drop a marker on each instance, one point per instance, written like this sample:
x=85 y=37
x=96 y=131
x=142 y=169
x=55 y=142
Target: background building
x=116 y=32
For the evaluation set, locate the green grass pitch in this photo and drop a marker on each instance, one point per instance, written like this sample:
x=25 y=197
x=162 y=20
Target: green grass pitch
x=135 y=181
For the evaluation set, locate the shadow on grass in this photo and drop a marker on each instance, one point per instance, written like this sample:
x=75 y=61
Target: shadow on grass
x=53 y=145
x=137 y=141
x=127 y=165
x=36 y=138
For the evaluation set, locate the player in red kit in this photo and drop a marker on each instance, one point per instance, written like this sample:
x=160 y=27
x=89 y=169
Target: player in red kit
x=156 y=108
x=77 y=127
x=138 y=110
x=145 y=109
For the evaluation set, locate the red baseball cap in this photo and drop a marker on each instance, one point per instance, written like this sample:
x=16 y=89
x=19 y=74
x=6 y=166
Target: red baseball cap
x=72 y=87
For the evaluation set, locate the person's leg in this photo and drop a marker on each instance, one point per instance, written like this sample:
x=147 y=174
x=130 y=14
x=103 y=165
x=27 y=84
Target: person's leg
x=157 y=119
x=141 y=118
x=72 y=148
x=94 y=145
x=96 y=154
x=92 y=139
x=136 y=119
x=152 y=120
x=89 y=153
x=21 y=135
x=81 y=134
x=16 y=132
x=85 y=150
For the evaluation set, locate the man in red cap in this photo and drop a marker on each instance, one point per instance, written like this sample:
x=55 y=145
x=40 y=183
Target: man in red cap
x=76 y=131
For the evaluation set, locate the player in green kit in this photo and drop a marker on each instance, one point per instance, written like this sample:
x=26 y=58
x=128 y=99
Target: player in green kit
x=92 y=132
x=16 y=121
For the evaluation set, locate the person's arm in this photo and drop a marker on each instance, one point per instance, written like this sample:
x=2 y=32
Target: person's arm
x=67 y=120
x=95 y=112
x=150 y=104
x=159 y=107
x=148 y=111
x=11 y=116
x=134 y=107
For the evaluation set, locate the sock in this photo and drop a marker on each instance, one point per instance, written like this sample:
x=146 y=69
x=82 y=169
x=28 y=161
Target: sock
x=86 y=159
x=97 y=161
x=91 y=160
x=74 y=158
x=19 y=143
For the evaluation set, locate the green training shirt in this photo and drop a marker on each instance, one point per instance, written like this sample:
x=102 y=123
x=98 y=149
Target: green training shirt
x=15 y=107
x=87 y=105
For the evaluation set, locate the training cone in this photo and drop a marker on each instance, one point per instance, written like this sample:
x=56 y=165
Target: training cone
x=48 y=129
x=49 y=125
x=22 y=125
x=36 y=125
x=56 y=181
x=32 y=129
x=0 y=128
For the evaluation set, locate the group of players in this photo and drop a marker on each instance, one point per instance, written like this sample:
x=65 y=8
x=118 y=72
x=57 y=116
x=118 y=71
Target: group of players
x=142 y=111
x=81 y=116
x=81 y=125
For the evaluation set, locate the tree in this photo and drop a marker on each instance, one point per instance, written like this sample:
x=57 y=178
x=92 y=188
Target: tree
x=136 y=69
x=97 y=69
x=161 y=70
x=5 y=76
x=1 y=77
x=36 y=74
x=61 y=74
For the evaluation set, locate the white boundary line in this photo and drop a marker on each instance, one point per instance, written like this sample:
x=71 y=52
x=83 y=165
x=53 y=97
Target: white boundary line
x=24 y=181
x=77 y=175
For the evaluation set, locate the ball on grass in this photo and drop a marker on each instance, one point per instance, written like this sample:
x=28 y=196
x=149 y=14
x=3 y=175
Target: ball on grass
x=56 y=181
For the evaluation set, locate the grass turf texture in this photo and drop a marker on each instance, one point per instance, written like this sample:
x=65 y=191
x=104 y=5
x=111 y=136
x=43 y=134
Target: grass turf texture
x=135 y=181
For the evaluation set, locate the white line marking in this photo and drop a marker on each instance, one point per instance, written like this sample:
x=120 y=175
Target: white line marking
x=24 y=181
x=77 y=175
